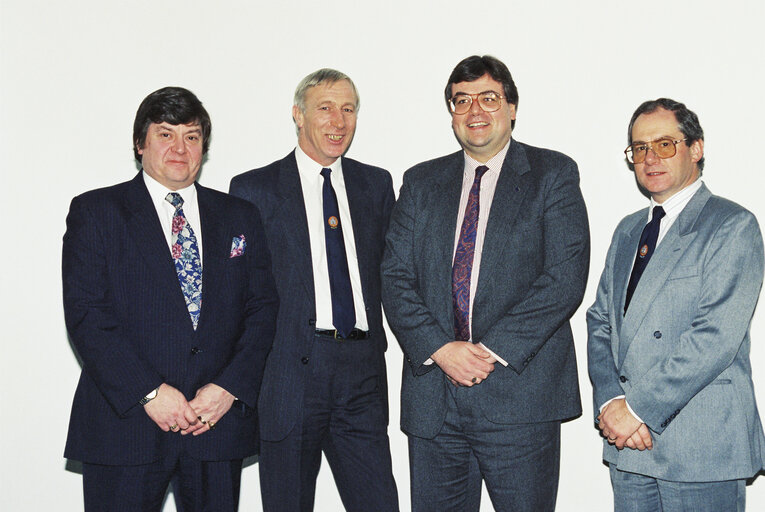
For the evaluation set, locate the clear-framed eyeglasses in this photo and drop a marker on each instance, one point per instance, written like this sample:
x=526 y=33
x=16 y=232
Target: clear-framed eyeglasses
x=665 y=147
x=489 y=101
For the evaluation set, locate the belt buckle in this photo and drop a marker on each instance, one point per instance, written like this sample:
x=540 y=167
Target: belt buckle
x=335 y=335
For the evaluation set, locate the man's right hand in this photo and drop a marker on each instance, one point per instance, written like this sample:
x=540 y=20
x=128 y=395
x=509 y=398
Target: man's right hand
x=170 y=409
x=464 y=363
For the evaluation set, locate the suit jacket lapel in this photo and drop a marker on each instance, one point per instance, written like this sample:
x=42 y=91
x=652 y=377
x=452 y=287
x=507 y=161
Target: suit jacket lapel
x=662 y=263
x=357 y=190
x=440 y=231
x=214 y=250
x=291 y=207
x=146 y=231
x=505 y=205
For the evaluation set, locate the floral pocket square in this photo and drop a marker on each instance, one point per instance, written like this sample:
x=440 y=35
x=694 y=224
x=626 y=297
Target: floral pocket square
x=238 y=245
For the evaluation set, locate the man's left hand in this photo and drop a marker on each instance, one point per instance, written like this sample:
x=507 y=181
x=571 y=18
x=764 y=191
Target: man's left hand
x=210 y=404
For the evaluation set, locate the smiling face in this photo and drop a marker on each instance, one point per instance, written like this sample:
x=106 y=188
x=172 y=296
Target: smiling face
x=482 y=134
x=664 y=177
x=172 y=153
x=327 y=126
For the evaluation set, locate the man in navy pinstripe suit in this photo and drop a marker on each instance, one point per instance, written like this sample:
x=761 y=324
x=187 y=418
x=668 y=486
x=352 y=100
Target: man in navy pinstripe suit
x=170 y=304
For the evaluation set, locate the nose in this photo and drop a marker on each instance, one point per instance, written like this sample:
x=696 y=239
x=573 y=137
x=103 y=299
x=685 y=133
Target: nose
x=337 y=119
x=651 y=157
x=179 y=145
x=475 y=108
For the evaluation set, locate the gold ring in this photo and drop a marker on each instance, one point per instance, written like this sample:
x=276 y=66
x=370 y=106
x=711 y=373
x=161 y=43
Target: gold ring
x=475 y=379
x=173 y=427
x=200 y=419
x=211 y=424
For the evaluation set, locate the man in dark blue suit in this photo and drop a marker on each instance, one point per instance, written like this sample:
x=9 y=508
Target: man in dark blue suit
x=490 y=369
x=170 y=368
x=324 y=388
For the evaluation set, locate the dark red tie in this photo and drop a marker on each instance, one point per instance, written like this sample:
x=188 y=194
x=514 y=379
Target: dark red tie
x=463 y=260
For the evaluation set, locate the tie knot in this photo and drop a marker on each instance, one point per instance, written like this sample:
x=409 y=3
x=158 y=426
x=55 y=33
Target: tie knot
x=175 y=199
x=658 y=213
x=326 y=172
x=480 y=171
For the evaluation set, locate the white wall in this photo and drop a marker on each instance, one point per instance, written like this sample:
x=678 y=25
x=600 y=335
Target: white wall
x=72 y=74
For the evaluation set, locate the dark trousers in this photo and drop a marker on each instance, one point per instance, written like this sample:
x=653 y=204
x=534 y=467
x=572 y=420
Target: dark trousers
x=344 y=416
x=198 y=486
x=519 y=463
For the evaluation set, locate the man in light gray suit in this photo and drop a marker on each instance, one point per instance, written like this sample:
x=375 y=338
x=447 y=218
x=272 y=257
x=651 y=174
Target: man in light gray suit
x=490 y=370
x=669 y=340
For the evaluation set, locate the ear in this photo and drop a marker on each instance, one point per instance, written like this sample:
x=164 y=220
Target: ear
x=297 y=115
x=697 y=150
x=139 y=148
x=512 y=109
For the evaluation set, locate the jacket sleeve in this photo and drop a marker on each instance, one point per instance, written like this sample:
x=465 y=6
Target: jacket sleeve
x=243 y=374
x=410 y=319
x=91 y=319
x=600 y=360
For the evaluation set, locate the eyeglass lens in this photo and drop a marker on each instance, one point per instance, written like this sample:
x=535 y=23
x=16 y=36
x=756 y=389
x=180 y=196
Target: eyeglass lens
x=664 y=148
x=489 y=102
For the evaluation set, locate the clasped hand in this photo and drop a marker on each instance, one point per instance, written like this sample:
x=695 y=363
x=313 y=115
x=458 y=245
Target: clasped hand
x=170 y=410
x=464 y=363
x=621 y=428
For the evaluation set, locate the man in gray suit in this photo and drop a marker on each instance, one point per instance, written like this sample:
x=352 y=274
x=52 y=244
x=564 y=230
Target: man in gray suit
x=669 y=331
x=490 y=369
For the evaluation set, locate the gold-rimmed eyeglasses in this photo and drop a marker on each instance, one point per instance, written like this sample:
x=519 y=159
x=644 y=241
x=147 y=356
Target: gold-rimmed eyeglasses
x=665 y=147
x=489 y=101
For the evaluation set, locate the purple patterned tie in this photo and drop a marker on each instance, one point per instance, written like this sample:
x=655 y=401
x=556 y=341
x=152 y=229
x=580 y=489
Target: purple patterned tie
x=186 y=258
x=463 y=260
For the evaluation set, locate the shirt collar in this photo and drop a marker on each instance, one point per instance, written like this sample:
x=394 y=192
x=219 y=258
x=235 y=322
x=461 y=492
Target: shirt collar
x=675 y=204
x=158 y=191
x=494 y=164
x=310 y=169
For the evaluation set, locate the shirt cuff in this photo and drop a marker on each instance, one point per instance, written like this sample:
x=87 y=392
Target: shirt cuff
x=625 y=403
x=487 y=349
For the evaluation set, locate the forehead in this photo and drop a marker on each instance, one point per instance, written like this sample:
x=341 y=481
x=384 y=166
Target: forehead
x=483 y=84
x=654 y=125
x=339 y=92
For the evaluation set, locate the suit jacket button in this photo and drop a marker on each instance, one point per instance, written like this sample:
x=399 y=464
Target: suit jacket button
x=195 y=351
x=311 y=321
x=622 y=378
x=304 y=360
x=657 y=334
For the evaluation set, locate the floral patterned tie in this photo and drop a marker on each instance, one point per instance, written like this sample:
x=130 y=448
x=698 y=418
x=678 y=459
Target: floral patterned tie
x=463 y=260
x=186 y=257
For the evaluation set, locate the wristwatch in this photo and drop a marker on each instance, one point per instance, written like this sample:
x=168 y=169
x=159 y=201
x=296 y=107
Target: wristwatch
x=148 y=398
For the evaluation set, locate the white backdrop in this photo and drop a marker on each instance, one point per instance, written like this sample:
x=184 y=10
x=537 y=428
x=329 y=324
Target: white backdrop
x=72 y=74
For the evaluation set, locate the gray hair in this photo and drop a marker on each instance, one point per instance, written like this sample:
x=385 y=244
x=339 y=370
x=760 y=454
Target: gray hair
x=318 y=77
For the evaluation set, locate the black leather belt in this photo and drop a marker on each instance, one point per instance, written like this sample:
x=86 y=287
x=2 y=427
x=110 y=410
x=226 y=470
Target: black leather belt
x=355 y=334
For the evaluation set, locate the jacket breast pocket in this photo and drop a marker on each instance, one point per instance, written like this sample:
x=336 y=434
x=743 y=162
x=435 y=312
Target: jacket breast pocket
x=684 y=272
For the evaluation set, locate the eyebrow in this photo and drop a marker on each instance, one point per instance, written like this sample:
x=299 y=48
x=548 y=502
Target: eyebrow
x=167 y=127
x=468 y=94
x=657 y=138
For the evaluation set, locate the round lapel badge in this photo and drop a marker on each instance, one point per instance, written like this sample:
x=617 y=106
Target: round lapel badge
x=643 y=251
x=333 y=222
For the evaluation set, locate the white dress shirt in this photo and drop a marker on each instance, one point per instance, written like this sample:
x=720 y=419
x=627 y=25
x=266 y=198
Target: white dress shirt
x=312 y=182
x=165 y=210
